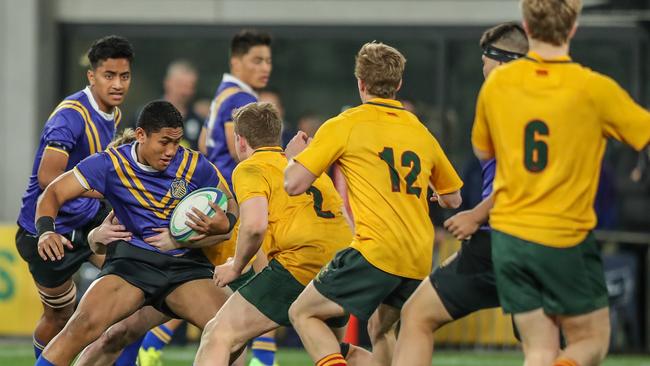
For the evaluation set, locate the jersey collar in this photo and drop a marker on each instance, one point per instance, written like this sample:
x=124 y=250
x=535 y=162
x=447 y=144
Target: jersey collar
x=93 y=103
x=269 y=149
x=389 y=103
x=134 y=156
x=536 y=57
x=228 y=78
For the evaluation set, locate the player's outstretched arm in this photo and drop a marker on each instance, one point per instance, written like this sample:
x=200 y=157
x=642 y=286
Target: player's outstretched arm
x=465 y=223
x=252 y=228
x=64 y=188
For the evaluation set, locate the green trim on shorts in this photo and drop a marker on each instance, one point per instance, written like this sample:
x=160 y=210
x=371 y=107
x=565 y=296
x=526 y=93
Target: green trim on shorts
x=273 y=290
x=359 y=287
x=562 y=281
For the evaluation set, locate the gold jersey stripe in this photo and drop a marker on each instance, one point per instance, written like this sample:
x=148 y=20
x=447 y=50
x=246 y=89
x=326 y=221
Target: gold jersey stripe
x=92 y=135
x=57 y=150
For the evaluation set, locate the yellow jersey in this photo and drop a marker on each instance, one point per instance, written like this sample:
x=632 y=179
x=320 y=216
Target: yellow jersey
x=304 y=231
x=388 y=158
x=219 y=253
x=546 y=122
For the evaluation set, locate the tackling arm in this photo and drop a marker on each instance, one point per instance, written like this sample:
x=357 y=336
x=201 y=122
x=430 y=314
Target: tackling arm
x=297 y=179
x=252 y=228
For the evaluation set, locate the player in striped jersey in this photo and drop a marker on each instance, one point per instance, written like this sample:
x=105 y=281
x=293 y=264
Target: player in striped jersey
x=82 y=124
x=143 y=181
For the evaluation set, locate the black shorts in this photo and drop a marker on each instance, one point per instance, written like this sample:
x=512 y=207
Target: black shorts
x=54 y=273
x=156 y=274
x=467 y=283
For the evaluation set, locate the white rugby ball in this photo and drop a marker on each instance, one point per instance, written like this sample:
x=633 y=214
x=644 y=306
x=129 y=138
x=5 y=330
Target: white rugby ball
x=199 y=199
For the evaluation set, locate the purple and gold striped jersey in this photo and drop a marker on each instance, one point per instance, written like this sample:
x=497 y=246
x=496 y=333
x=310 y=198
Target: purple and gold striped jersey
x=143 y=198
x=78 y=129
x=232 y=93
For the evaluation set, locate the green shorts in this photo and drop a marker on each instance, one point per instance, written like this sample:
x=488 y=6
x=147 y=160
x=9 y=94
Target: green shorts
x=562 y=281
x=242 y=280
x=273 y=290
x=359 y=287
x=467 y=284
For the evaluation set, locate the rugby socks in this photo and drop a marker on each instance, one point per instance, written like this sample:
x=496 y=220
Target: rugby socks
x=129 y=354
x=264 y=349
x=335 y=359
x=157 y=338
x=565 y=362
x=38 y=347
x=43 y=362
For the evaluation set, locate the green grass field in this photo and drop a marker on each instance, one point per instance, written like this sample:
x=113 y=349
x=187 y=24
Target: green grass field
x=13 y=353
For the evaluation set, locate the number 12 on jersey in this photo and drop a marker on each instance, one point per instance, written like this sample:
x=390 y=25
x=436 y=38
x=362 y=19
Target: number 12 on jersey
x=409 y=160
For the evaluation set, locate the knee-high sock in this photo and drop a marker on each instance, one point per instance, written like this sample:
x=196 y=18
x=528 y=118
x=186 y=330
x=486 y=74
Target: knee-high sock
x=129 y=354
x=157 y=338
x=263 y=349
x=38 y=347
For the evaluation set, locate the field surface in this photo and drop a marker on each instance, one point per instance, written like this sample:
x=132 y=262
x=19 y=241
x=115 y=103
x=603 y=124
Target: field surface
x=18 y=353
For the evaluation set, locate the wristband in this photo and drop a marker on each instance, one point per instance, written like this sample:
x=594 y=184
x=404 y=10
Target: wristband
x=232 y=220
x=44 y=224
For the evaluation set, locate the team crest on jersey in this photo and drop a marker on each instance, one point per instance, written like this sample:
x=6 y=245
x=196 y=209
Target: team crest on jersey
x=179 y=188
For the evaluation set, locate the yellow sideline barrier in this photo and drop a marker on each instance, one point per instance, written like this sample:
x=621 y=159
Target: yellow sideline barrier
x=20 y=307
x=484 y=328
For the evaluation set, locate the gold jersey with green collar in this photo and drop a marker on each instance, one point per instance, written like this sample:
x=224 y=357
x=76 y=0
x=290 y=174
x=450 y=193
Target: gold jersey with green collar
x=304 y=231
x=388 y=158
x=546 y=122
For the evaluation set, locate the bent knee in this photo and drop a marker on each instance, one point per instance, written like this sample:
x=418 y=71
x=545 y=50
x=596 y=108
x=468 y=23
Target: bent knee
x=411 y=317
x=295 y=313
x=377 y=330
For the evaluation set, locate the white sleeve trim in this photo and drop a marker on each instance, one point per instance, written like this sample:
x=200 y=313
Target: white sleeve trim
x=81 y=179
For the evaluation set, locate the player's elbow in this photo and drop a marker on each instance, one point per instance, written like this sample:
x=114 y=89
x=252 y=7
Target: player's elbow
x=44 y=180
x=253 y=228
x=451 y=200
x=293 y=183
x=292 y=186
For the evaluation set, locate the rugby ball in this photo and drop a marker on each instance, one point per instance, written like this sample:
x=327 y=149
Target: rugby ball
x=199 y=199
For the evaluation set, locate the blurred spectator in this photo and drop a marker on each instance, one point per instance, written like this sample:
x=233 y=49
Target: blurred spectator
x=309 y=123
x=202 y=108
x=273 y=97
x=179 y=87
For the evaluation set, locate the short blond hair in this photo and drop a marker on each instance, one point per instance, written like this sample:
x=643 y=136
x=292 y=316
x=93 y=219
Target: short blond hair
x=380 y=67
x=551 y=21
x=259 y=123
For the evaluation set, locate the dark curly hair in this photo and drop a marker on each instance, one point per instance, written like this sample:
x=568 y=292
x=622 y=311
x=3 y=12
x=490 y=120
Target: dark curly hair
x=109 y=47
